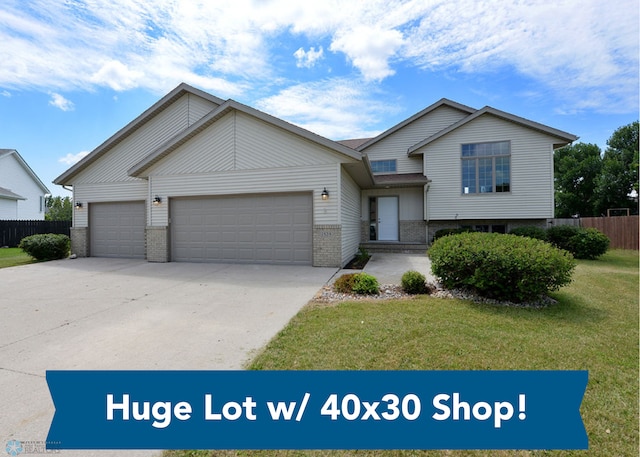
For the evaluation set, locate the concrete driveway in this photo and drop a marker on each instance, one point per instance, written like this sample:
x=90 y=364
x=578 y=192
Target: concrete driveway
x=114 y=314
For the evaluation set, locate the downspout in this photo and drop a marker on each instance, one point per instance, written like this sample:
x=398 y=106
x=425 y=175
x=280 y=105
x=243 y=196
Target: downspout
x=425 y=212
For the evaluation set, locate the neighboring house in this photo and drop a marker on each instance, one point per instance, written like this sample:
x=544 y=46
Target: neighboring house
x=197 y=178
x=22 y=194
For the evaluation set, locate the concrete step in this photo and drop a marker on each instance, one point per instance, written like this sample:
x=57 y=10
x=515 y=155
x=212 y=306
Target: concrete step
x=395 y=247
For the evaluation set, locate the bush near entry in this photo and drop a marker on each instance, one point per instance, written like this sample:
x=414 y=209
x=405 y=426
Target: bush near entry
x=504 y=267
x=357 y=283
x=414 y=282
x=47 y=246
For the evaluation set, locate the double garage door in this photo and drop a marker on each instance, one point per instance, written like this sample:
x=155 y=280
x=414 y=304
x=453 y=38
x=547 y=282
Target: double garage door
x=270 y=228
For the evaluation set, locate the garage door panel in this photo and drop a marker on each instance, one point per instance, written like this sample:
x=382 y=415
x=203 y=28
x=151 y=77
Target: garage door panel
x=257 y=228
x=117 y=229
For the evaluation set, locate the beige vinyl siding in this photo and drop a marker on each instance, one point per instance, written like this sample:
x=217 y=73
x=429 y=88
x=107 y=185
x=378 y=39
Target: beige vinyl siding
x=210 y=151
x=395 y=146
x=531 y=195
x=240 y=142
x=261 y=145
x=349 y=216
x=105 y=192
x=410 y=201
x=276 y=180
x=198 y=107
x=113 y=165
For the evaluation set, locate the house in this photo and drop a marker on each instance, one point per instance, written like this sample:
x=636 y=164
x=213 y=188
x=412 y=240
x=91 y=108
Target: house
x=196 y=178
x=22 y=194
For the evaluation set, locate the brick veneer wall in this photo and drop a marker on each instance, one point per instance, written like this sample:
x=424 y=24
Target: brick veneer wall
x=80 y=241
x=327 y=245
x=157 y=244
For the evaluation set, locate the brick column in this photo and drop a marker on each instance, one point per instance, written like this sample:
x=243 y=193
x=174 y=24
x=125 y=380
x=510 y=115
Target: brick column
x=80 y=241
x=327 y=246
x=157 y=244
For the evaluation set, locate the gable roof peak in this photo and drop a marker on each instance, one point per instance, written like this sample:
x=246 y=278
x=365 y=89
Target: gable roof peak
x=418 y=115
x=179 y=91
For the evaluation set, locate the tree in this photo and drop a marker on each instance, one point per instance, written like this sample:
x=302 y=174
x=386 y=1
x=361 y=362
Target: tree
x=588 y=183
x=619 y=176
x=59 y=209
x=576 y=168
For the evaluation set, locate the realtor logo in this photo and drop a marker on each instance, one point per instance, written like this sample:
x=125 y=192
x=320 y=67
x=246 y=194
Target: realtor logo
x=14 y=447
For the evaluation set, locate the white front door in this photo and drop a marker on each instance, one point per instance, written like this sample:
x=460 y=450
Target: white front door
x=388 y=218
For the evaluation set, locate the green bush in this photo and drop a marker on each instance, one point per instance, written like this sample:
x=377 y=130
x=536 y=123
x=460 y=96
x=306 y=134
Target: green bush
x=450 y=231
x=583 y=243
x=413 y=282
x=365 y=284
x=560 y=235
x=505 y=267
x=588 y=243
x=46 y=246
x=344 y=284
x=530 y=231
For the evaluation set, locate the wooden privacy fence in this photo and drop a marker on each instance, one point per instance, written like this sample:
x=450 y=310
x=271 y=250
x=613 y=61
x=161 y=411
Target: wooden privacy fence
x=621 y=230
x=11 y=232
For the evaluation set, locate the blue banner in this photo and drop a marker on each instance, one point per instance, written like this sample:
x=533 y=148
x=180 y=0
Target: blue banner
x=317 y=410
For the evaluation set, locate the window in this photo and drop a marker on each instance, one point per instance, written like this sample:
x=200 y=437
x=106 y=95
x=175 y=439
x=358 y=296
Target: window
x=383 y=166
x=486 y=167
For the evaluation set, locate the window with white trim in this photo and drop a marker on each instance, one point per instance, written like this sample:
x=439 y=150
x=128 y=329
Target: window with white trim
x=486 y=167
x=383 y=166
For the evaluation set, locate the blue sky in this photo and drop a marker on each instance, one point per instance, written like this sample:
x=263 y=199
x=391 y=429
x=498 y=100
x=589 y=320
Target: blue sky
x=74 y=72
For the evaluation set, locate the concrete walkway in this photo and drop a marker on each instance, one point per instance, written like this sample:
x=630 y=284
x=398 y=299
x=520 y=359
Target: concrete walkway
x=389 y=268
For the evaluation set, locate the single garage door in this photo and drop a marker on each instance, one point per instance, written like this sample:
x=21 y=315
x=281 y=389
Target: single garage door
x=273 y=229
x=117 y=229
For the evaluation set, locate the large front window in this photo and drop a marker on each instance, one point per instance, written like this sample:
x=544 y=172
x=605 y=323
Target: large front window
x=486 y=167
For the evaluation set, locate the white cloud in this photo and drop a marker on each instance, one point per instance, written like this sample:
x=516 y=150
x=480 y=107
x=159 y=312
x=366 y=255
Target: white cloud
x=117 y=76
x=369 y=48
x=307 y=59
x=335 y=108
x=6 y=93
x=71 y=159
x=60 y=102
x=585 y=51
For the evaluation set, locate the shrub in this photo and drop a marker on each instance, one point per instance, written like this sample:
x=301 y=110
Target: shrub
x=413 y=282
x=505 y=267
x=450 y=231
x=344 y=284
x=530 y=231
x=583 y=243
x=46 y=246
x=588 y=243
x=365 y=284
x=560 y=235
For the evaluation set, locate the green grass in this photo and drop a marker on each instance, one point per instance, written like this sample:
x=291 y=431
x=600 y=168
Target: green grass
x=11 y=257
x=594 y=326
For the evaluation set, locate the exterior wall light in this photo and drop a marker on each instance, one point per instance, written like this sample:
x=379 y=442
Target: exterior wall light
x=78 y=205
x=157 y=200
x=325 y=194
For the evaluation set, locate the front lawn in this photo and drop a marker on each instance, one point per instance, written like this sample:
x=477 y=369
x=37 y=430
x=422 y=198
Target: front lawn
x=594 y=326
x=11 y=257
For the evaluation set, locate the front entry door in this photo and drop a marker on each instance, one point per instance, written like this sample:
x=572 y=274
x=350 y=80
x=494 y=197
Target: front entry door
x=388 y=218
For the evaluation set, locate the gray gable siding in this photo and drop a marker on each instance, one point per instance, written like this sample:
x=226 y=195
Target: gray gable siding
x=396 y=145
x=531 y=195
x=113 y=166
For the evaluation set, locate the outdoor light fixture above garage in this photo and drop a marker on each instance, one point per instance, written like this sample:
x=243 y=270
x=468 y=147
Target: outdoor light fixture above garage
x=325 y=194
x=157 y=200
x=78 y=205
